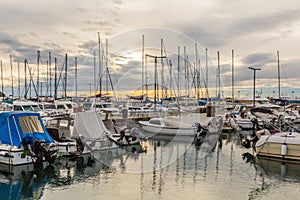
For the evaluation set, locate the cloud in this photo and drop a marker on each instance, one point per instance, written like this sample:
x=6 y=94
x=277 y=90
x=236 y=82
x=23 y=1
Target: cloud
x=258 y=59
x=279 y=22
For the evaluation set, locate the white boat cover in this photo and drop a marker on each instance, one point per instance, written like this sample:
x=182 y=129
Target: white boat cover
x=89 y=125
x=288 y=138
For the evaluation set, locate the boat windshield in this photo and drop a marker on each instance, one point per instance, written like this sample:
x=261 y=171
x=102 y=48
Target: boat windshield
x=98 y=106
x=236 y=109
x=69 y=106
x=107 y=105
x=35 y=108
x=30 y=124
x=155 y=121
x=27 y=108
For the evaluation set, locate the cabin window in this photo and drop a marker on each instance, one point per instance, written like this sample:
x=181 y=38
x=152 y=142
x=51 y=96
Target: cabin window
x=30 y=124
x=50 y=106
x=69 y=106
x=53 y=122
x=157 y=122
x=60 y=107
x=18 y=108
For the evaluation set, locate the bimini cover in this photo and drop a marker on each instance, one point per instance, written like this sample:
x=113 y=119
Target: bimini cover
x=89 y=125
x=16 y=127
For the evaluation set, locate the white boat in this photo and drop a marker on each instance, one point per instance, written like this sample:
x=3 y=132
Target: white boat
x=101 y=106
x=283 y=145
x=60 y=129
x=244 y=118
x=25 y=105
x=230 y=124
x=24 y=139
x=50 y=109
x=160 y=126
x=65 y=106
x=89 y=127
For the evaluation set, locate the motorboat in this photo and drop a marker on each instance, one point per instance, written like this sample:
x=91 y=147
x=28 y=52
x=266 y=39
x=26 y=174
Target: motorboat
x=283 y=145
x=91 y=131
x=160 y=126
x=24 y=139
x=230 y=124
x=65 y=106
x=50 y=109
x=25 y=105
x=61 y=128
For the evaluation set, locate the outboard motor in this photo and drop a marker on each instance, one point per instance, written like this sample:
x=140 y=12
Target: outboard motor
x=41 y=151
x=255 y=123
x=37 y=150
x=199 y=135
x=80 y=143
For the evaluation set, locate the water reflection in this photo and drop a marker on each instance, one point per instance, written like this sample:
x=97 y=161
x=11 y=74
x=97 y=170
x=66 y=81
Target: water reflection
x=274 y=177
x=24 y=182
x=157 y=169
x=278 y=168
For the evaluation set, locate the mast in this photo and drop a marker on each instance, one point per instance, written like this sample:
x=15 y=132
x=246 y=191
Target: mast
x=100 y=67
x=38 y=75
x=76 y=77
x=162 y=70
x=232 y=68
x=47 y=80
x=106 y=63
x=12 y=78
x=66 y=71
x=55 y=78
x=155 y=82
x=19 y=81
x=25 y=79
x=219 y=75
x=196 y=71
x=146 y=75
x=2 y=86
x=95 y=73
x=278 y=74
x=185 y=70
x=143 y=52
x=170 y=77
x=188 y=75
x=206 y=74
x=50 y=75
x=178 y=71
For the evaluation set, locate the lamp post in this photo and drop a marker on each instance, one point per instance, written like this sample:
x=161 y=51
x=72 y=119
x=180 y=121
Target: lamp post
x=155 y=75
x=254 y=72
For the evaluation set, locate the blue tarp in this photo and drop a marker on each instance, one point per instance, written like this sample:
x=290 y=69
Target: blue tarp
x=11 y=132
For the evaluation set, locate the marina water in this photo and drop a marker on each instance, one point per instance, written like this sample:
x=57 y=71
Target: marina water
x=164 y=168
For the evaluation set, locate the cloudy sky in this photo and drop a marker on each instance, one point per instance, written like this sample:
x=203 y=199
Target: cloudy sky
x=254 y=29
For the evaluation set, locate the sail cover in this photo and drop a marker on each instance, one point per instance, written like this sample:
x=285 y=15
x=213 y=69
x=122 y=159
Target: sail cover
x=89 y=125
x=15 y=126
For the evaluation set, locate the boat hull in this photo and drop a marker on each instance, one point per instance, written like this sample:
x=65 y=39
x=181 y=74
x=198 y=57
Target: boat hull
x=12 y=155
x=169 y=131
x=276 y=146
